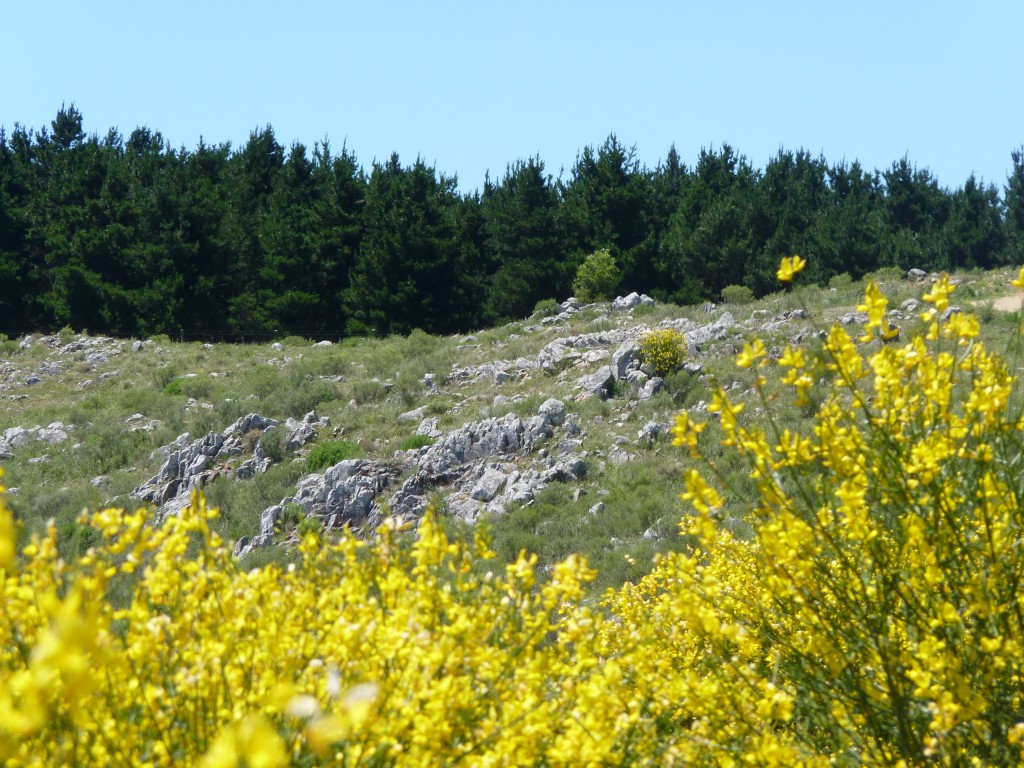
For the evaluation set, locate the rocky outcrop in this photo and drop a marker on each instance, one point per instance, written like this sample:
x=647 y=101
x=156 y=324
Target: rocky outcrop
x=632 y=300
x=479 y=467
x=191 y=465
x=14 y=438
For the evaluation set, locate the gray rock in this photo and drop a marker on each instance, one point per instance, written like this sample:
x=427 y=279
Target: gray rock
x=301 y=435
x=429 y=428
x=598 y=384
x=916 y=275
x=269 y=520
x=569 y=469
x=410 y=416
x=554 y=410
x=619 y=456
x=596 y=509
x=489 y=485
x=651 y=388
x=535 y=430
x=626 y=302
x=248 y=423
x=636 y=377
x=650 y=431
x=623 y=357
x=53 y=433
x=6 y=449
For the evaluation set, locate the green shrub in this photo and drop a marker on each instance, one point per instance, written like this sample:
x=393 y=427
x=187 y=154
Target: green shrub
x=197 y=387
x=682 y=386
x=840 y=281
x=8 y=346
x=546 y=308
x=415 y=441
x=597 y=277
x=292 y=516
x=273 y=443
x=330 y=453
x=308 y=525
x=737 y=294
x=663 y=350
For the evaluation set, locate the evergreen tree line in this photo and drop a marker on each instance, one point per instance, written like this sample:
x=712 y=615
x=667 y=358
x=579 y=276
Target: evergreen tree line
x=131 y=237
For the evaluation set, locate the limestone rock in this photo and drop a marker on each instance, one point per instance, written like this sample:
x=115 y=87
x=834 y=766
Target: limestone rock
x=554 y=410
x=597 y=384
x=489 y=485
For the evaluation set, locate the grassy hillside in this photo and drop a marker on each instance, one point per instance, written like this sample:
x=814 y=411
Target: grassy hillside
x=118 y=401
x=845 y=590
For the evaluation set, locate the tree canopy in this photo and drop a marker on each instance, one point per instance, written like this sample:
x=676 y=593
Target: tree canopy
x=131 y=237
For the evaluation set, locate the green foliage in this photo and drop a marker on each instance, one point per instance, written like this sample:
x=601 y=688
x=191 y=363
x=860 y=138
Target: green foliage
x=330 y=453
x=292 y=514
x=597 y=277
x=414 y=442
x=7 y=346
x=663 y=350
x=840 y=281
x=546 y=308
x=272 y=443
x=737 y=294
x=263 y=241
x=309 y=525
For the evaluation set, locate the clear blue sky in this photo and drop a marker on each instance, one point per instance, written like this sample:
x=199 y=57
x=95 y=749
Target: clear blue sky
x=472 y=86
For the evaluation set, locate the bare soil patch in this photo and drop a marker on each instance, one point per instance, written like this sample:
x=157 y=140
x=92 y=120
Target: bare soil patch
x=1009 y=303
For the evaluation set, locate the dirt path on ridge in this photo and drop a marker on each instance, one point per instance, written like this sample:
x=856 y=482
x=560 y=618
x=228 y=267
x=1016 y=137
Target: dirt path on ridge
x=1010 y=303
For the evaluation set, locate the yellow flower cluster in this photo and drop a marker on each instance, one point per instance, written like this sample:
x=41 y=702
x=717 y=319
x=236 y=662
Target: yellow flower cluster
x=663 y=349
x=406 y=650
x=874 y=614
x=868 y=612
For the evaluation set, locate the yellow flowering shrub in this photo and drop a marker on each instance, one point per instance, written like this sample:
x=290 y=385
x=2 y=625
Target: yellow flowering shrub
x=870 y=615
x=663 y=349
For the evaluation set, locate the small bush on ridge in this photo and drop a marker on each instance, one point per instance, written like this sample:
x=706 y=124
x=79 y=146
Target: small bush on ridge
x=415 y=441
x=737 y=294
x=330 y=453
x=597 y=277
x=663 y=349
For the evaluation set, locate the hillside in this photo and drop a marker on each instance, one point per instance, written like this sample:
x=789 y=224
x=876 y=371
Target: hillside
x=844 y=587
x=546 y=429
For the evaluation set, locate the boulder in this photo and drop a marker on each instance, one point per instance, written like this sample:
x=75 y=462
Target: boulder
x=651 y=388
x=489 y=485
x=622 y=358
x=626 y=302
x=598 y=384
x=554 y=410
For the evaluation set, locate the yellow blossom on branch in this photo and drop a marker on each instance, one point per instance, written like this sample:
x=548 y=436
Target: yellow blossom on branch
x=1019 y=281
x=789 y=268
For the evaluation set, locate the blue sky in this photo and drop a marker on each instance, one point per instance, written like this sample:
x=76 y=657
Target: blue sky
x=473 y=86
